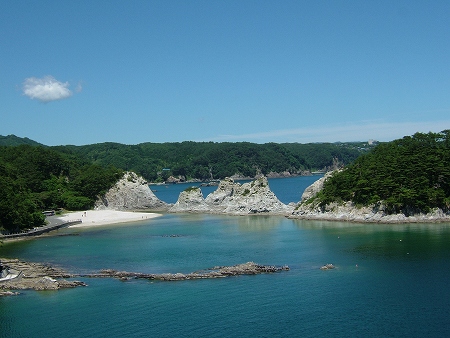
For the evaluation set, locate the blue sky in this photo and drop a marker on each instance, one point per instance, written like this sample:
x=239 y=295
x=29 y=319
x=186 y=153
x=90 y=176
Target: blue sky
x=82 y=72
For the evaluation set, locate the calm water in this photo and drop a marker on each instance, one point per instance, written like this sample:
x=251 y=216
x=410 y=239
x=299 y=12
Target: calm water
x=390 y=280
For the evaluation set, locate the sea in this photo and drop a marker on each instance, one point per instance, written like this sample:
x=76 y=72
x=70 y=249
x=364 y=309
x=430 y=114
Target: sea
x=388 y=280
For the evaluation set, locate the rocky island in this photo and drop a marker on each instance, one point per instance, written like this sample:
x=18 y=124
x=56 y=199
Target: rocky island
x=233 y=198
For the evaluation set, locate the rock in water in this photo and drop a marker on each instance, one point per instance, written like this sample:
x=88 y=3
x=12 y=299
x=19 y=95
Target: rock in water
x=131 y=192
x=249 y=268
x=233 y=198
x=190 y=200
x=254 y=197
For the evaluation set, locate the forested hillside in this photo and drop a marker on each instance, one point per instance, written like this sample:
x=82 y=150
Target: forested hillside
x=409 y=175
x=34 y=178
x=209 y=160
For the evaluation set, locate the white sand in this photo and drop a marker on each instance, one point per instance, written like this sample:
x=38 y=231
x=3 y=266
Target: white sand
x=101 y=217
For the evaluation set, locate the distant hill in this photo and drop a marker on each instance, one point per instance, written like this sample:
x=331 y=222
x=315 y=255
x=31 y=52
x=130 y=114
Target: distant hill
x=210 y=160
x=13 y=140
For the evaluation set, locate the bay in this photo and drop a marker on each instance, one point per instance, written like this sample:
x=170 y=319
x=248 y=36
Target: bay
x=389 y=280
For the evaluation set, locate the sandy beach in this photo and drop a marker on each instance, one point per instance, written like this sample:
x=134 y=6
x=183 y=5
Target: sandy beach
x=102 y=217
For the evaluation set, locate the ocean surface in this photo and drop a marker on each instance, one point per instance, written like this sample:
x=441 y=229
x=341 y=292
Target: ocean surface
x=389 y=280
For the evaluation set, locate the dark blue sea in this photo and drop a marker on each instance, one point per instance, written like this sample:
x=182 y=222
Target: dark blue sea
x=389 y=280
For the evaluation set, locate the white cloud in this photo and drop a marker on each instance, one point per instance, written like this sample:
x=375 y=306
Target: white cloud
x=360 y=131
x=46 y=89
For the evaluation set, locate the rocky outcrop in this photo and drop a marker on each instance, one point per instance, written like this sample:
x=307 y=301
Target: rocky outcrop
x=349 y=212
x=173 y=179
x=233 y=198
x=190 y=200
x=314 y=188
x=35 y=276
x=131 y=192
x=249 y=268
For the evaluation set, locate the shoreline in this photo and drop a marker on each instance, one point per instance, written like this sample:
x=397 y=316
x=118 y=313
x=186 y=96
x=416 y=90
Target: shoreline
x=91 y=218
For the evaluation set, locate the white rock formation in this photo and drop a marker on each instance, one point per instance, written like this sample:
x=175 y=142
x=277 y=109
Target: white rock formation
x=190 y=200
x=131 y=192
x=233 y=198
x=314 y=188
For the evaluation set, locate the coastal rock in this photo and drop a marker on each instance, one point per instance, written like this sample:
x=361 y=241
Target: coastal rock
x=349 y=212
x=226 y=188
x=190 y=200
x=35 y=276
x=131 y=192
x=233 y=198
x=249 y=268
x=273 y=174
x=253 y=198
x=172 y=179
x=314 y=188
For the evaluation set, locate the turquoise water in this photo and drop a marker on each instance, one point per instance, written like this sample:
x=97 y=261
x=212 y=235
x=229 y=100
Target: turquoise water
x=389 y=281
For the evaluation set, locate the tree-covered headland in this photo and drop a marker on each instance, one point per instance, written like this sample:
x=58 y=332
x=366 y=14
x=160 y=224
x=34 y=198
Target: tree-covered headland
x=409 y=176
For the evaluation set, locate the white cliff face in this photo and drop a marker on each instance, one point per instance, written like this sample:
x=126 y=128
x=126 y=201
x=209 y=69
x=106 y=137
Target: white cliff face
x=233 y=198
x=131 y=192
